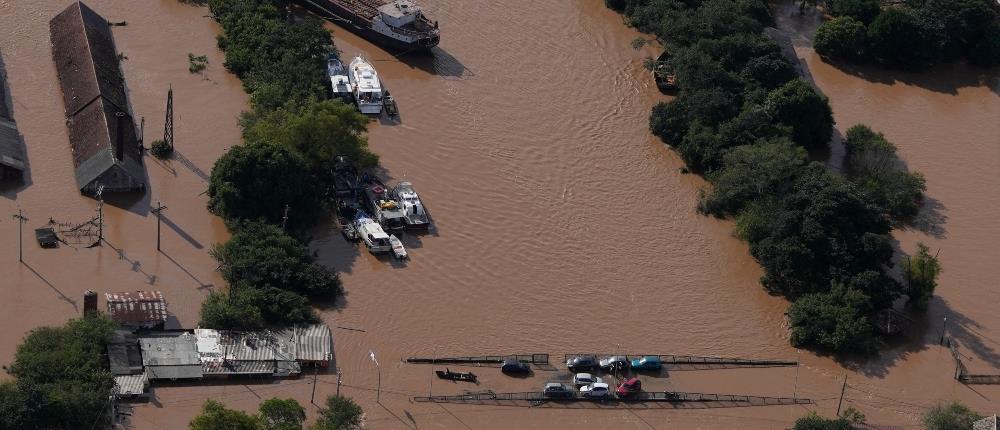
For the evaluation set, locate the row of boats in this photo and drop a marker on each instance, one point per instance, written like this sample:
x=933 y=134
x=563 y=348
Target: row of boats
x=370 y=212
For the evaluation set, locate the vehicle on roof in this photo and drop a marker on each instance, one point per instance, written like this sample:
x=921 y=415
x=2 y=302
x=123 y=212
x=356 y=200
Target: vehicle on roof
x=649 y=362
x=557 y=390
x=581 y=362
x=596 y=390
x=614 y=363
x=629 y=387
x=585 y=379
x=515 y=367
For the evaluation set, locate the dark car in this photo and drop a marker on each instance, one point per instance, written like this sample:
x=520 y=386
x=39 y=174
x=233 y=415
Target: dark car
x=515 y=367
x=629 y=387
x=556 y=390
x=581 y=362
x=615 y=363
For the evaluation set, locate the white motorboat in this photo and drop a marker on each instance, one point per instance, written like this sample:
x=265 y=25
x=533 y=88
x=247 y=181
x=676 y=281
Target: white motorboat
x=397 y=247
x=371 y=233
x=340 y=83
x=413 y=208
x=367 y=87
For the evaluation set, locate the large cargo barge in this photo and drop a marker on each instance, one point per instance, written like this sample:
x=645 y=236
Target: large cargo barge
x=399 y=25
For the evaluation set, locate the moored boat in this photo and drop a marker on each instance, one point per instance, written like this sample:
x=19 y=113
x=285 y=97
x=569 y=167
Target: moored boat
x=397 y=247
x=413 y=209
x=456 y=376
x=340 y=83
x=398 y=25
x=385 y=210
x=367 y=87
x=371 y=233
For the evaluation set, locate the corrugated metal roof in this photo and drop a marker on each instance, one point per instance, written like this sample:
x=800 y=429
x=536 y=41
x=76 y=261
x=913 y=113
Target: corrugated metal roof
x=132 y=385
x=169 y=350
x=138 y=307
x=238 y=367
x=189 y=371
x=11 y=145
x=313 y=343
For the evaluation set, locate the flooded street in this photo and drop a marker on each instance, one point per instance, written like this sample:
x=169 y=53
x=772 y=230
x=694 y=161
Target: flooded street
x=561 y=224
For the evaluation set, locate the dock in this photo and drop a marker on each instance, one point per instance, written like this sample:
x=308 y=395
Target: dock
x=645 y=400
x=483 y=360
x=677 y=362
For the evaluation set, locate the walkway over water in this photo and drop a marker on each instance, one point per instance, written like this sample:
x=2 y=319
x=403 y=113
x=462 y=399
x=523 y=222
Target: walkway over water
x=645 y=400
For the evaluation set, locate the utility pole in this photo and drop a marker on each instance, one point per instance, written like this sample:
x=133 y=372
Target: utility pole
x=284 y=218
x=795 y=390
x=338 y=382
x=100 y=215
x=378 y=392
x=168 y=123
x=315 y=377
x=944 y=327
x=842 y=389
x=158 y=210
x=19 y=216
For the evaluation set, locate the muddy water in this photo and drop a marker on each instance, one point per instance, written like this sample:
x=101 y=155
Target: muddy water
x=561 y=225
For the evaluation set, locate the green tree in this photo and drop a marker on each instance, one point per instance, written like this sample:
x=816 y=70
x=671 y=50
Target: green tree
x=252 y=182
x=318 y=131
x=861 y=10
x=836 y=321
x=898 y=38
x=60 y=377
x=340 y=413
x=215 y=416
x=751 y=172
x=281 y=414
x=262 y=255
x=986 y=52
x=921 y=272
x=808 y=113
x=963 y=23
x=233 y=309
x=873 y=165
x=841 y=38
x=815 y=422
x=952 y=416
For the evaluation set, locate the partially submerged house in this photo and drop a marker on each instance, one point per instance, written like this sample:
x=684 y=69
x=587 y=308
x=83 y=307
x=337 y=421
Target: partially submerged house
x=138 y=309
x=125 y=363
x=12 y=163
x=102 y=134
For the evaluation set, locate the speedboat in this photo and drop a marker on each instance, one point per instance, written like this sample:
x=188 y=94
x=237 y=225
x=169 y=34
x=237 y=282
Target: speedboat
x=367 y=87
x=397 y=247
x=340 y=83
x=413 y=208
x=371 y=233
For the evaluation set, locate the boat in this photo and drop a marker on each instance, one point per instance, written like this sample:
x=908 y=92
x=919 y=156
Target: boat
x=397 y=247
x=346 y=194
x=371 y=233
x=340 y=83
x=456 y=376
x=389 y=105
x=386 y=210
x=414 y=213
x=367 y=88
x=398 y=25
x=663 y=75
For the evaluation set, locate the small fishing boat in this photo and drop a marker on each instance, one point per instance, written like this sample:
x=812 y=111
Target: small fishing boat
x=397 y=247
x=456 y=376
x=389 y=105
x=340 y=83
x=367 y=87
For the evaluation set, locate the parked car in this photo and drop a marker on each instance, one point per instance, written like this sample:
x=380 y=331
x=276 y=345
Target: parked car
x=556 y=390
x=649 y=362
x=515 y=367
x=629 y=387
x=614 y=363
x=581 y=362
x=585 y=379
x=596 y=390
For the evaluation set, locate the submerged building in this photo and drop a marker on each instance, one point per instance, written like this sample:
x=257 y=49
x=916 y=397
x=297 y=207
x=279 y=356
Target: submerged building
x=102 y=134
x=12 y=163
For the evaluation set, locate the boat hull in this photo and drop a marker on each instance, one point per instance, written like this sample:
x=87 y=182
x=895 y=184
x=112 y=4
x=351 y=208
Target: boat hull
x=362 y=27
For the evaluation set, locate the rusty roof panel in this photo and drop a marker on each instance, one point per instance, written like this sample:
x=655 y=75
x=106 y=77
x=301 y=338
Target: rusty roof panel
x=138 y=307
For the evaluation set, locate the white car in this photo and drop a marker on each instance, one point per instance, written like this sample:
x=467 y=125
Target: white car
x=585 y=379
x=596 y=390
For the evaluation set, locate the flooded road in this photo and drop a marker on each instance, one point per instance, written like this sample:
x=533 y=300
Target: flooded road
x=561 y=224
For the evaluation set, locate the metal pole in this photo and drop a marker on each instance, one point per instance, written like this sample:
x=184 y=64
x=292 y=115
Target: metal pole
x=315 y=377
x=842 y=389
x=157 y=210
x=338 y=382
x=20 y=222
x=378 y=393
x=795 y=390
x=944 y=327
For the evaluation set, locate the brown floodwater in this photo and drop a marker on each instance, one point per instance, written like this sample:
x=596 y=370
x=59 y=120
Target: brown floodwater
x=561 y=224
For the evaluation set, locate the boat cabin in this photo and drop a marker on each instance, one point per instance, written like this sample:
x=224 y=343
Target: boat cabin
x=340 y=84
x=399 y=13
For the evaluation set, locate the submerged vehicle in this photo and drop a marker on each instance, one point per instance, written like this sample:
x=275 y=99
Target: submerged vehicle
x=340 y=83
x=614 y=363
x=581 y=362
x=556 y=390
x=397 y=25
x=629 y=387
x=456 y=376
x=649 y=362
x=371 y=233
x=515 y=367
x=413 y=208
x=367 y=87
x=585 y=379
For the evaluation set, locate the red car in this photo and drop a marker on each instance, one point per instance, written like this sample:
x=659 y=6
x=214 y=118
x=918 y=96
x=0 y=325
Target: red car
x=629 y=387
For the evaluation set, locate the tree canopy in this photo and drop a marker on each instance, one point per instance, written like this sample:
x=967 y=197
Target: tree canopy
x=841 y=38
x=920 y=272
x=874 y=166
x=340 y=413
x=273 y=414
x=60 y=377
x=951 y=416
x=808 y=113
